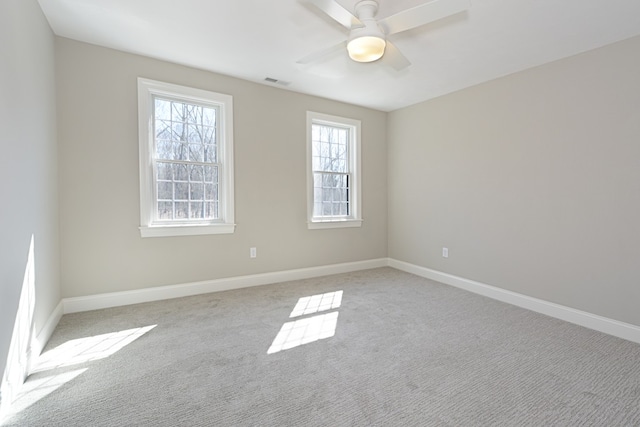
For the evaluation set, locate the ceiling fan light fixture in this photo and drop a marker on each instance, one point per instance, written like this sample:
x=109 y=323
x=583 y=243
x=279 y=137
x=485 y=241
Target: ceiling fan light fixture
x=366 y=48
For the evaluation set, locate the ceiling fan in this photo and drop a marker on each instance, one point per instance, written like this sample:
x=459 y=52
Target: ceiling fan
x=368 y=36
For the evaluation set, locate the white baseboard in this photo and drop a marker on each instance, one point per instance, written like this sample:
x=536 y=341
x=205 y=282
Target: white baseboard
x=47 y=330
x=592 y=321
x=93 y=302
x=114 y=299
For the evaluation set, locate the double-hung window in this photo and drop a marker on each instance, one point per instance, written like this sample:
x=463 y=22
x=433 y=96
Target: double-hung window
x=333 y=171
x=186 y=160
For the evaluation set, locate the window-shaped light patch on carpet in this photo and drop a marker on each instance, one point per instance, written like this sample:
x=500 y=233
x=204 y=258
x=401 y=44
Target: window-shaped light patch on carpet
x=317 y=303
x=311 y=328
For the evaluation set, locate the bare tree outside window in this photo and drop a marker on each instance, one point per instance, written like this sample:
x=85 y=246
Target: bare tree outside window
x=186 y=168
x=331 y=175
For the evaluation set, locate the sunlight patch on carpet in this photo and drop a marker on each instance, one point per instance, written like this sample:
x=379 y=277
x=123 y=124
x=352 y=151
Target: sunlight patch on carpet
x=304 y=331
x=72 y=352
x=317 y=303
x=87 y=349
x=36 y=389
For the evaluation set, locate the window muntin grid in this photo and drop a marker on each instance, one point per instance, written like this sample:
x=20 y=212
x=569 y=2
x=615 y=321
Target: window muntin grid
x=186 y=171
x=330 y=145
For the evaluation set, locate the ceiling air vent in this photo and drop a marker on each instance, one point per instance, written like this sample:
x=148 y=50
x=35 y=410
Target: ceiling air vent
x=276 y=81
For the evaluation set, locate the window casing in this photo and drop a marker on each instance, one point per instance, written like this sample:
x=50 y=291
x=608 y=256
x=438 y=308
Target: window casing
x=333 y=171
x=186 y=160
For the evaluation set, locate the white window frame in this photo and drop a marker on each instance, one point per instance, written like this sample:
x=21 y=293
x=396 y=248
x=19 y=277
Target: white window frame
x=354 y=219
x=149 y=225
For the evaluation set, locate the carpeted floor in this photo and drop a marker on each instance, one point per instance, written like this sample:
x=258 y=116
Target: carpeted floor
x=391 y=349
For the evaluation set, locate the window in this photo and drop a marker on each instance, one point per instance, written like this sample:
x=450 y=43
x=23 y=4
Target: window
x=333 y=178
x=186 y=160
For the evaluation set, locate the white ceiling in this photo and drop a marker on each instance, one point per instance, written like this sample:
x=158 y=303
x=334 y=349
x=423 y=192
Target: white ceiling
x=255 y=39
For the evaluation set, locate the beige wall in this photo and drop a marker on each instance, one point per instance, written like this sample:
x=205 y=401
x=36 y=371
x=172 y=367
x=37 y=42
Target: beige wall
x=28 y=164
x=532 y=181
x=102 y=250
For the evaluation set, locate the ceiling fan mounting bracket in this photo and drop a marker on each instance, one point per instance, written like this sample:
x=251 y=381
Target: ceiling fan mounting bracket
x=366 y=9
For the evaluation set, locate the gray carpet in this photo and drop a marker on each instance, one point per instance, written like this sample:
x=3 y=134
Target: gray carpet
x=406 y=352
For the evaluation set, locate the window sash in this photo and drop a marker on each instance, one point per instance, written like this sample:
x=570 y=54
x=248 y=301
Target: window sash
x=331 y=201
x=210 y=192
x=331 y=144
x=189 y=208
x=333 y=148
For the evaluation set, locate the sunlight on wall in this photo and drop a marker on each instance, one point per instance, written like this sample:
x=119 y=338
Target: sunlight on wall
x=309 y=329
x=19 y=356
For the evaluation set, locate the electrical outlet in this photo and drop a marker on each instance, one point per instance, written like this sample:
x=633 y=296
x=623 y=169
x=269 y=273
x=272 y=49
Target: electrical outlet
x=253 y=252
x=445 y=252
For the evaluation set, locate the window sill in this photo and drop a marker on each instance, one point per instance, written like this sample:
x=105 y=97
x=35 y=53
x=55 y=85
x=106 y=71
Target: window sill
x=336 y=223
x=186 y=230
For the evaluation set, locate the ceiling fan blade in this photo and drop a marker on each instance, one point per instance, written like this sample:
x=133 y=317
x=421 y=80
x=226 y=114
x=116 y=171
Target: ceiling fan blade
x=422 y=14
x=337 y=12
x=394 y=58
x=321 y=54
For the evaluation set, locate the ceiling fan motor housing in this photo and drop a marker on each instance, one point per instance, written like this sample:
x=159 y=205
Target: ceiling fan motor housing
x=366 y=44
